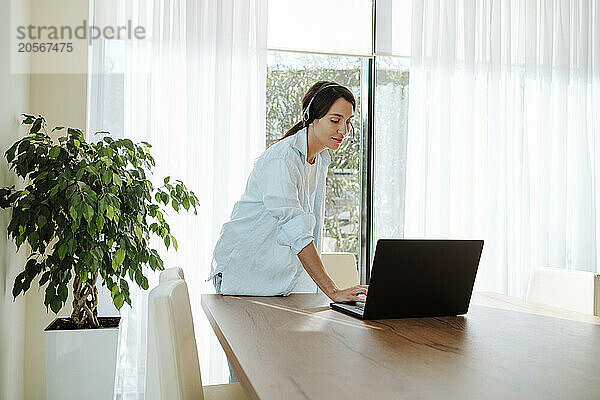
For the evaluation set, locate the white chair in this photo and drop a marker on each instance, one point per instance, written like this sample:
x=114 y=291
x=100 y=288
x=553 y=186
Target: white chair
x=572 y=290
x=341 y=267
x=171 y=274
x=172 y=368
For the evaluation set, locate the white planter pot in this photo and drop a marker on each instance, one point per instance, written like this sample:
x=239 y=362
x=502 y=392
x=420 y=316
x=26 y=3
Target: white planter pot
x=80 y=364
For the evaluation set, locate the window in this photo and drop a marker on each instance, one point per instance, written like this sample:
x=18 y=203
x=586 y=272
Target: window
x=321 y=26
x=366 y=181
x=391 y=124
x=289 y=75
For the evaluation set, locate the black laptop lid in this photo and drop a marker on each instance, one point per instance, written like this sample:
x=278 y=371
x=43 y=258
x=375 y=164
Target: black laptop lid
x=420 y=278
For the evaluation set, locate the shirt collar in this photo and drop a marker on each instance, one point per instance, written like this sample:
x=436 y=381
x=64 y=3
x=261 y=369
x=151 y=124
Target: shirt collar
x=300 y=143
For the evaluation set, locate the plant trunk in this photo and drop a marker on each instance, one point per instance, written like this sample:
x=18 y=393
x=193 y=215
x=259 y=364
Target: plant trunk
x=85 y=303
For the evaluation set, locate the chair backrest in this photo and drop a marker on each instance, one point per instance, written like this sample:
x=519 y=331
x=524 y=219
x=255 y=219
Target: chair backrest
x=341 y=267
x=171 y=274
x=572 y=290
x=172 y=369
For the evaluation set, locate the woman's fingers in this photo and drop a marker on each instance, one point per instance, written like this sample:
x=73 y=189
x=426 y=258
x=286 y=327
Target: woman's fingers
x=354 y=293
x=359 y=289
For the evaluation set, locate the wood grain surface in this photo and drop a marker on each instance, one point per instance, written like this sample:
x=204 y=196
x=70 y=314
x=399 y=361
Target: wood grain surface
x=296 y=347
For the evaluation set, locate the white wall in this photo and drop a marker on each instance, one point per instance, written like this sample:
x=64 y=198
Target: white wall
x=14 y=100
x=61 y=98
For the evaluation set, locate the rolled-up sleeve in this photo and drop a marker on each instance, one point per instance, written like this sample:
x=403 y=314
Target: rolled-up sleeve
x=279 y=187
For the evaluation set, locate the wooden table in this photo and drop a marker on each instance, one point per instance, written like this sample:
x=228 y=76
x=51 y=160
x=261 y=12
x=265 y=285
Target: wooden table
x=297 y=348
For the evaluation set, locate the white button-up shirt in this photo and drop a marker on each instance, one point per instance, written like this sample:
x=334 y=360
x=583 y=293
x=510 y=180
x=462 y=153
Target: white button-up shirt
x=274 y=220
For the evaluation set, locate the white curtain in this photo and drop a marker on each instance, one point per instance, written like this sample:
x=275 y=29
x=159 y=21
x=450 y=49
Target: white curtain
x=504 y=133
x=194 y=89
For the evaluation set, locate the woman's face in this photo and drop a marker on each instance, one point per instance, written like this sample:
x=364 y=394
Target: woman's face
x=331 y=129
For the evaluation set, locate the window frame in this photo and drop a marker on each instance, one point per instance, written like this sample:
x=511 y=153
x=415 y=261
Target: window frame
x=367 y=162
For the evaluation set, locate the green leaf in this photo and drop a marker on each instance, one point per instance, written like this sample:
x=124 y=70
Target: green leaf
x=114 y=291
x=54 y=190
x=175 y=245
x=10 y=153
x=73 y=213
x=80 y=173
x=91 y=228
x=138 y=232
x=110 y=212
x=74 y=226
x=100 y=222
x=72 y=245
x=117 y=180
x=128 y=143
x=37 y=125
x=28 y=119
x=33 y=239
x=153 y=262
x=44 y=278
x=107 y=176
x=119 y=300
x=165 y=198
x=124 y=286
x=62 y=251
x=166 y=180
x=54 y=152
x=120 y=256
x=102 y=205
x=63 y=293
x=41 y=221
x=108 y=152
x=138 y=278
x=18 y=286
x=167 y=240
x=139 y=218
x=88 y=212
x=55 y=305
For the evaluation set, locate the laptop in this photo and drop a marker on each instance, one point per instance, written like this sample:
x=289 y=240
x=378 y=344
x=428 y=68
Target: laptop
x=418 y=278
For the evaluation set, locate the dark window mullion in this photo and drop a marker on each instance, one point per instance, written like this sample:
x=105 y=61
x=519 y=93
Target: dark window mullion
x=367 y=151
x=366 y=181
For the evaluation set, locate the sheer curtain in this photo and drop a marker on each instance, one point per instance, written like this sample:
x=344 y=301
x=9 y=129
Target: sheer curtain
x=504 y=133
x=194 y=89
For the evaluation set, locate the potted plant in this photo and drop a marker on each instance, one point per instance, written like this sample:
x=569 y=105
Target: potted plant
x=87 y=210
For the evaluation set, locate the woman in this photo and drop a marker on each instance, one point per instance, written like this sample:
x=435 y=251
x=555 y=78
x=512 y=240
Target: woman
x=272 y=243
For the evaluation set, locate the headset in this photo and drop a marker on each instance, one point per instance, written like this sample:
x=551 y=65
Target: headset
x=306 y=111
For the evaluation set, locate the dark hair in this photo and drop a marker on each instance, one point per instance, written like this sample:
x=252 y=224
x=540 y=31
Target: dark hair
x=321 y=103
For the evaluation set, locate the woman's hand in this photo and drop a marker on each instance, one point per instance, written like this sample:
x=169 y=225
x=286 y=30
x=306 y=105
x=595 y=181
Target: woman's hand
x=350 y=294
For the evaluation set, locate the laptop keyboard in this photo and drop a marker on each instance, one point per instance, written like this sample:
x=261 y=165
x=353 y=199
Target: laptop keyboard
x=356 y=309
